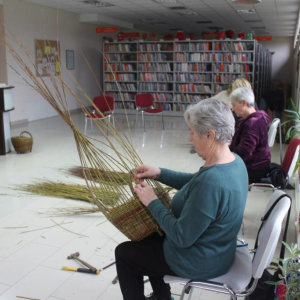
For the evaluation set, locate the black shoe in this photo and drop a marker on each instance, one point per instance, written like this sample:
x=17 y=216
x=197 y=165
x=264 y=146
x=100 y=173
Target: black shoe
x=152 y=297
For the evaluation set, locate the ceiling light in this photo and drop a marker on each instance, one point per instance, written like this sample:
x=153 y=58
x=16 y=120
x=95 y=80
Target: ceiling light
x=158 y=23
x=165 y=1
x=246 y=1
x=215 y=28
x=245 y=11
x=204 y=22
x=98 y=3
x=148 y=20
x=253 y=21
x=187 y=13
x=177 y=7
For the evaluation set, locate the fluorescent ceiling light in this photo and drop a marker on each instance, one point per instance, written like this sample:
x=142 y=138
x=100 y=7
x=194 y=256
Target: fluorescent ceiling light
x=245 y=11
x=98 y=3
x=187 y=13
x=246 y=1
x=204 y=22
x=253 y=21
x=148 y=20
x=158 y=23
x=177 y=7
x=165 y=1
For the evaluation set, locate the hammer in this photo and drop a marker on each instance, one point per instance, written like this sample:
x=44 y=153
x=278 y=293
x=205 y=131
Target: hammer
x=75 y=256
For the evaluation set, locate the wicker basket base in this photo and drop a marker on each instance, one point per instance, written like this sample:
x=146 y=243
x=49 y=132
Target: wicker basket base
x=134 y=220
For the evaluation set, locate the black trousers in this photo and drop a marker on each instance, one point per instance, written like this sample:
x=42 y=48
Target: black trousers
x=255 y=176
x=144 y=258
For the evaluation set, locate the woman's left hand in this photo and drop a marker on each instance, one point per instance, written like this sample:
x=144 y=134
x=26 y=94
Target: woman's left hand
x=145 y=193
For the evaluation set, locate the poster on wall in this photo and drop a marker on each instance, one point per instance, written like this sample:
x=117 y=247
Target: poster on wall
x=47 y=54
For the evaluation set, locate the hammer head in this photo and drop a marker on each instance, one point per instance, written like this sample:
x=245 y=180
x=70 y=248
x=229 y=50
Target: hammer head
x=73 y=255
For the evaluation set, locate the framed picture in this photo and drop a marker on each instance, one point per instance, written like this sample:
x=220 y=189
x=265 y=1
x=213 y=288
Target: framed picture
x=47 y=58
x=70 y=63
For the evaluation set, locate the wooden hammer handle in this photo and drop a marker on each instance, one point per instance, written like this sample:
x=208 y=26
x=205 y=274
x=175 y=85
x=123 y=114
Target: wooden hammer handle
x=86 y=264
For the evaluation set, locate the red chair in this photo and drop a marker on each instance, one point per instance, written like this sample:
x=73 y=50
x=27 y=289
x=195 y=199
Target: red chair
x=145 y=104
x=103 y=104
x=291 y=156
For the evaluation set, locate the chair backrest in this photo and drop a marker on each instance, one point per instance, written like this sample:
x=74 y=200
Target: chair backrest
x=104 y=103
x=291 y=156
x=144 y=100
x=269 y=233
x=272 y=131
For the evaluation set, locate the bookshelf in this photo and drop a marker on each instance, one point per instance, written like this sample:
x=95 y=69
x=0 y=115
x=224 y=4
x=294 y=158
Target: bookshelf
x=178 y=73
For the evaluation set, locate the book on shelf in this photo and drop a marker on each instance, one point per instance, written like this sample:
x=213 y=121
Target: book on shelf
x=180 y=72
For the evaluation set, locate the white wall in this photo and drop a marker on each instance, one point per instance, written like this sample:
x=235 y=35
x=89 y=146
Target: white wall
x=30 y=22
x=282 y=60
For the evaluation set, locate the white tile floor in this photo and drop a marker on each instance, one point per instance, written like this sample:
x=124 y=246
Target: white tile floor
x=30 y=262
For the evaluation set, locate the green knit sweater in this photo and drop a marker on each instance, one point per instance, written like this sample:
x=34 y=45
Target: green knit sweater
x=207 y=214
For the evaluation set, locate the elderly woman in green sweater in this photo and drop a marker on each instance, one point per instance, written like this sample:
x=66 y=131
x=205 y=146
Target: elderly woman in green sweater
x=207 y=211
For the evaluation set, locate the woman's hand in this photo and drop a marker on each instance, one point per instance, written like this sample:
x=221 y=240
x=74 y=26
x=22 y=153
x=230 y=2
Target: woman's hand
x=145 y=193
x=146 y=172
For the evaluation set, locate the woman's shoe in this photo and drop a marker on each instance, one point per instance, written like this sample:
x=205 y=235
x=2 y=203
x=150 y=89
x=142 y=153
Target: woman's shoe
x=152 y=297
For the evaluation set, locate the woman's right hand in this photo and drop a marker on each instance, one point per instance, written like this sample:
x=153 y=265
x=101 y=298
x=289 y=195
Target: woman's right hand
x=146 y=172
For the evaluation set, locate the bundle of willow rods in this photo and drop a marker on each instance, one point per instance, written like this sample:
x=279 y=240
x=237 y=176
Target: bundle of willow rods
x=128 y=214
x=68 y=191
x=79 y=172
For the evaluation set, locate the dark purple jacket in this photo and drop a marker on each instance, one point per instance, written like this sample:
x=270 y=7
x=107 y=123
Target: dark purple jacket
x=250 y=141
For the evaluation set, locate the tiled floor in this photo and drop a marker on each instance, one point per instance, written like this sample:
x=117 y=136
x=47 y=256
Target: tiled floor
x=33 y=248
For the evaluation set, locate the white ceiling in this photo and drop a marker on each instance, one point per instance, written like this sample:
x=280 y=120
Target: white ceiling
x=273 y=17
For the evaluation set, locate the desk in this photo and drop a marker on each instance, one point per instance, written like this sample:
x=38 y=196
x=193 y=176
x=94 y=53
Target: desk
x=6 y=105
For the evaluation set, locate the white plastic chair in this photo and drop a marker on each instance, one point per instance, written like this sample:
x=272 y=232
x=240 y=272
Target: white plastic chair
x=236 y=280
x=272 y=131
x=272 y=135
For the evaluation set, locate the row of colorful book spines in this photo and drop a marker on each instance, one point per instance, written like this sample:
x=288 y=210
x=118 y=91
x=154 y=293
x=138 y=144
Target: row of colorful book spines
x=242 y=68
x=120 y=77
x=224 y=78
x=201 y=57
x=160 y=97
x=183 y=67
x=164 y=87
x=208 y=46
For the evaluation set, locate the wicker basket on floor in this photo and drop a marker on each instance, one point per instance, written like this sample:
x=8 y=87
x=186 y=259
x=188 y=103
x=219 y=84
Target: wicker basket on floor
x=22 y=144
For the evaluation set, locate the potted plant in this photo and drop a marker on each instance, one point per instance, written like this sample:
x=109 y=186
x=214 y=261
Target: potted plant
x=288 y=287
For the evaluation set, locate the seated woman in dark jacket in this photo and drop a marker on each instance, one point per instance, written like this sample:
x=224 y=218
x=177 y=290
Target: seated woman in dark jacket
x=250 y=140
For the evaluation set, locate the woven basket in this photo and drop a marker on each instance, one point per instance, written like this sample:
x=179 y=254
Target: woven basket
x=133 y=219
x=22 y=144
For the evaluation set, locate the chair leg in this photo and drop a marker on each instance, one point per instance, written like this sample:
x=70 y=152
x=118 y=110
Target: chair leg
x=143 y=120
x=186 y=290
x=85 y=126
x=108 y=125
x=113 y=119
x=136 y=118
x=162 y=119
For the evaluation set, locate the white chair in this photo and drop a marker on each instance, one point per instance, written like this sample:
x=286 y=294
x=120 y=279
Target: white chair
x=235 y=282
x=272 y=135
x=272 y=131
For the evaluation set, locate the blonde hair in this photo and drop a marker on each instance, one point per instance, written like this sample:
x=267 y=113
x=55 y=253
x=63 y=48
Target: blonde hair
x=239 y=82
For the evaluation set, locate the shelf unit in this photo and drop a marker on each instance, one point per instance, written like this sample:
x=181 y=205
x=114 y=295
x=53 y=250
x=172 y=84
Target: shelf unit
x=177 y=73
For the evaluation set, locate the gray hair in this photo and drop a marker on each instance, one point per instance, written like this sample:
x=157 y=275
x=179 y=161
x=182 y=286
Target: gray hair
x=243 y=93
x=211 y=114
